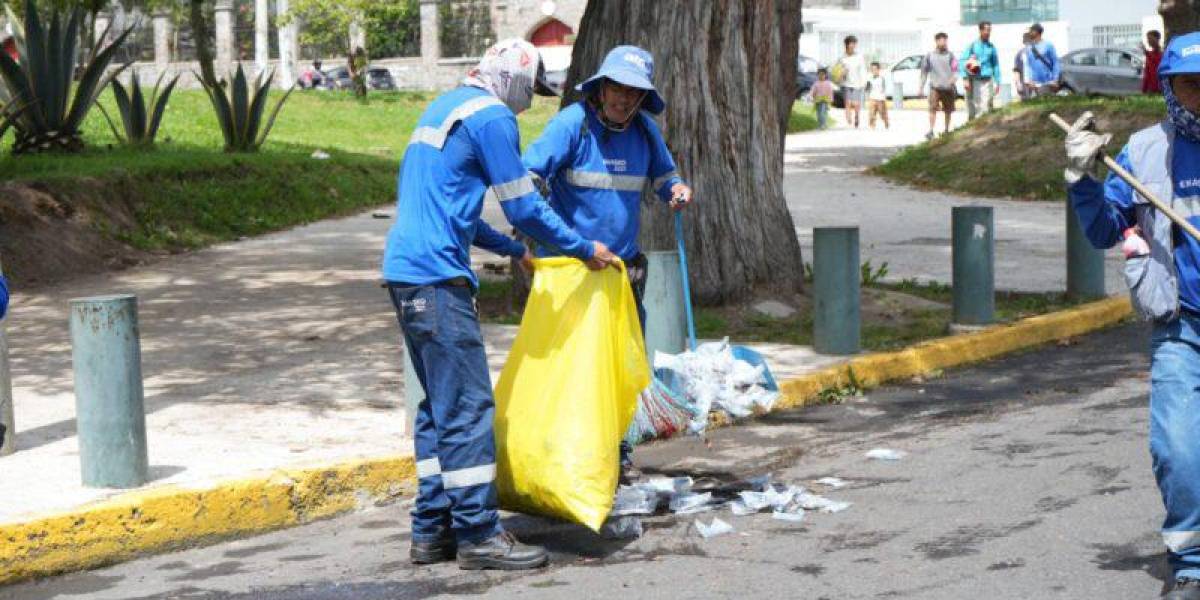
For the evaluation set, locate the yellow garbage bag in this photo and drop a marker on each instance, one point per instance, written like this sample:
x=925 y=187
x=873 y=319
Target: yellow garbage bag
x=568 y=393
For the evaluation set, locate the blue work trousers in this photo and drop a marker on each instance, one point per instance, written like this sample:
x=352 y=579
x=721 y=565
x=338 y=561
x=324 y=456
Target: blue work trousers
x=454 y=432
x=1174 y=441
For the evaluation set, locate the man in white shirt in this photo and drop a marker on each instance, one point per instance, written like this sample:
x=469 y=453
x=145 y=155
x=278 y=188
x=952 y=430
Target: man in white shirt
x=853 y=78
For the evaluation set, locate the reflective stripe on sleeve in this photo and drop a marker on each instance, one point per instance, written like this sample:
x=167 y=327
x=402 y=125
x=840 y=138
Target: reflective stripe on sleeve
x=514 y=189
x=661 y=181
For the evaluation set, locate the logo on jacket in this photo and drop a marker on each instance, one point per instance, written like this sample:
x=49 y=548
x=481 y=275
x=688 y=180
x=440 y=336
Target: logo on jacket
x=619 y=165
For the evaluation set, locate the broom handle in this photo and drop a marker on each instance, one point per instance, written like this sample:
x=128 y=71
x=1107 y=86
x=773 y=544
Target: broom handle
x=1137 y=185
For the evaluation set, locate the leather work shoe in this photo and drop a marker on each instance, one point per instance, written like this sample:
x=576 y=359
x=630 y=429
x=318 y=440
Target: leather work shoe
x=1185 y=589
x=501 y=551
x=427 y=553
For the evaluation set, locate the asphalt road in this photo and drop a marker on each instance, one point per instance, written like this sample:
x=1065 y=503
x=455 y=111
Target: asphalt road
x=1028 y=477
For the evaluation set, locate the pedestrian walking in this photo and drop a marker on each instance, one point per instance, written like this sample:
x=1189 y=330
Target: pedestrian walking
x=1043 y=69
x=1020 y=68
x=939 y=70
x=877 y=98
x=822 y=94
x=850 y=72
x=1162 y=268
x=979 y=66
x=465 y=144
x=598 y=155
x=1154 y=55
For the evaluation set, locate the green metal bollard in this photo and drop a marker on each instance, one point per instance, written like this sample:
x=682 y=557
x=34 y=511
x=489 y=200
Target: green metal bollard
x=666 y=324
x=7 y=419
x=837 y=326
x=414 y=393
x=1085 y=264
x=974 y=280
x=109 y=408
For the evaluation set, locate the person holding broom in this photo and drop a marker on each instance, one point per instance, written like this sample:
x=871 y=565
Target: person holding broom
x=599 y=155
x=1162 y=269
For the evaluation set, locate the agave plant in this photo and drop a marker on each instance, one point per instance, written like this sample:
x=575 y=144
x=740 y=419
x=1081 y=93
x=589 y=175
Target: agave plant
x=139 y=124
x=240 y=109
x=43 y=77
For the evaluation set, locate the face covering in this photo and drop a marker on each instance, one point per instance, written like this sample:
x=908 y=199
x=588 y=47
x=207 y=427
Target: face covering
x=1185 y=121
x=507 y=70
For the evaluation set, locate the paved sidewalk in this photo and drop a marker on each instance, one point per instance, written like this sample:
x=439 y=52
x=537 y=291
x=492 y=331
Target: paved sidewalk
x=910 y=229
x=265 y=353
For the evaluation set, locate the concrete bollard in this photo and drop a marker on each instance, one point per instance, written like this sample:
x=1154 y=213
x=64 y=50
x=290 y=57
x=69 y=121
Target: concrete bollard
x=898 y=95
x=8 y=443
x=974 y=281
x=837 y=326
x=109 y=408
x=414 y=392
x=1085 y=264
x=666 y=323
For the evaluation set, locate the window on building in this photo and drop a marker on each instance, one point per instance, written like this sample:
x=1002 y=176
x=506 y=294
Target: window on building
x=1008 y=11
x=1117 y=36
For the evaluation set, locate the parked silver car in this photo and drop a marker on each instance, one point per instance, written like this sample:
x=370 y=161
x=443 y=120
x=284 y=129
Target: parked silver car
x=1103 y=71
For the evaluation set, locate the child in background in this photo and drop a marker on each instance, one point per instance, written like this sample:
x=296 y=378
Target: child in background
x=877 y=96
x=822 y=94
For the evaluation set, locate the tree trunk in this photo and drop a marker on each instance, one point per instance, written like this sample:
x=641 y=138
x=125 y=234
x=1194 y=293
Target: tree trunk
x=1180 y=16
x=202 y=38
x=727 y=69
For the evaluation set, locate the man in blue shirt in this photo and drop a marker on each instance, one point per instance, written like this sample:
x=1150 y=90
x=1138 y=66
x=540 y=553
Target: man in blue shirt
x=465 y=145
x=980 y=69
x=600 y=154
x=1042 y=66
x=1162 y=269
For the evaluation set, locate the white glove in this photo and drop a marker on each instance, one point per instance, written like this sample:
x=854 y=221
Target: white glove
x=1083 y=147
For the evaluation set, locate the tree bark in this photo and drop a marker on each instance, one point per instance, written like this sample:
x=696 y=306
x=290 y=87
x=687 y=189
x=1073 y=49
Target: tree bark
x=1179 y=16
x=727 y=69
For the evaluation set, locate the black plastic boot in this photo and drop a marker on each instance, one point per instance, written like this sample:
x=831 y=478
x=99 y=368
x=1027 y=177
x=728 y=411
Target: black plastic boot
x=501 y=551
x=427 y=553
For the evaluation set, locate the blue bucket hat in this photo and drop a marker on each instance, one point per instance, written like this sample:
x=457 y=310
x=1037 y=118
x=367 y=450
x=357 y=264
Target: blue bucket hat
x=631 y=66
x=1181 y=57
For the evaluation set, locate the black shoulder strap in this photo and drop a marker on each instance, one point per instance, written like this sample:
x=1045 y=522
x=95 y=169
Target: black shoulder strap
x=1039 y=56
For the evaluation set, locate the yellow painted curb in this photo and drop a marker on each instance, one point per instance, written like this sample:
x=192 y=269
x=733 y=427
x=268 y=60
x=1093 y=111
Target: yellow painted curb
x=172 y=517
x=874 y=369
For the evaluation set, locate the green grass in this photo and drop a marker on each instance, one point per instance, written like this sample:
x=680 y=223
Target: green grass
x=1016 y=152
x=803 y=117
x=188 y=193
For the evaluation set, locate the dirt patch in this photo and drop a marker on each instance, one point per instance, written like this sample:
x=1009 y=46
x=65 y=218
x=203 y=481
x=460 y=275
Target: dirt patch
x=49 y=233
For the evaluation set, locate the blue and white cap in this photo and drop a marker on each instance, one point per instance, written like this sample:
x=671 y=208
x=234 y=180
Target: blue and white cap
x=631 y=66
x=1181 y=57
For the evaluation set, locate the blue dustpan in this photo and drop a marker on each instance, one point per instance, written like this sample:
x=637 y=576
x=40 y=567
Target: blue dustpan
x=739 y=352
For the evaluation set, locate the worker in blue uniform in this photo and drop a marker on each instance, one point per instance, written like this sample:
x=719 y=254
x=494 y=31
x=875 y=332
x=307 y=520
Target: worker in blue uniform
x=1162 y=269
x=465 y=146
x=599 y=155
